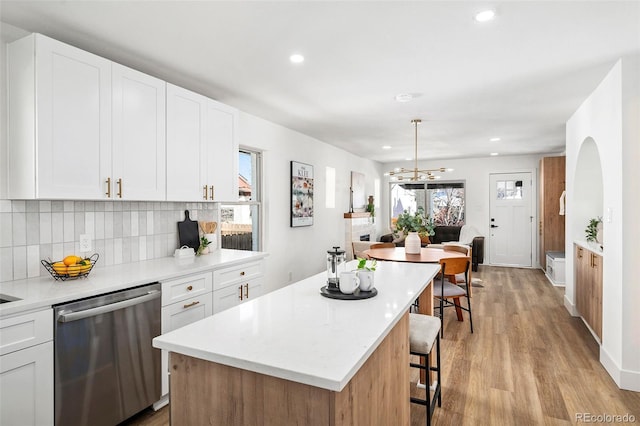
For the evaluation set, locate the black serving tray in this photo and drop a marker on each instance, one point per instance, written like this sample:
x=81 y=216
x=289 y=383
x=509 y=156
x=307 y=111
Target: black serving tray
x=356 y=295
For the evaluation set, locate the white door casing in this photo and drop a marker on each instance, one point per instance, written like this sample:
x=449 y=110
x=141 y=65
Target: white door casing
x=511 y=235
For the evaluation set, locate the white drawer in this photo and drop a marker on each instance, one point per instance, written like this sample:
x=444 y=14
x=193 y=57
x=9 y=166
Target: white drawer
x=185 y=312
x=186 y=287
x=23 y=331
x=234 y=274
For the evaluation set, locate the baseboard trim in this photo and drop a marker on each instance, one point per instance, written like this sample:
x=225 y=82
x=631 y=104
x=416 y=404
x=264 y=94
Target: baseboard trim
x=625 y=379
x=570 y=307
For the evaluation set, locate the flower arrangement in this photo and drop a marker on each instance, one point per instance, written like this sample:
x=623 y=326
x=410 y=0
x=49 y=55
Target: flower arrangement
x=592 y=229
x=204 y=245
x=362 y=264
x=418 y=222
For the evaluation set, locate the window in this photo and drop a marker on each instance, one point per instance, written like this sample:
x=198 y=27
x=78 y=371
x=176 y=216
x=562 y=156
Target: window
x=444 y=201
x=509 y=189
x=240 y=221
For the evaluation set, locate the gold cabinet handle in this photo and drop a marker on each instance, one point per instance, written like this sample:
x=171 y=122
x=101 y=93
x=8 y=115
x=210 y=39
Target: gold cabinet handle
x=240 y=297
x=188 y=305
x=579 y=252
x=242 y=274
x=119 y=182
x=108 y=193
x=246 y=290
x=211 y=192
x=204 y=195
x=190 y=288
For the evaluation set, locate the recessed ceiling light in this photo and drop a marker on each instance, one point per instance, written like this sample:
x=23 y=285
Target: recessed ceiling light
x=485 y=15
x=409 y=159
x=494 y=139
x=296 y=58
x=404 y=97
x=386 y=147
x=493 y=154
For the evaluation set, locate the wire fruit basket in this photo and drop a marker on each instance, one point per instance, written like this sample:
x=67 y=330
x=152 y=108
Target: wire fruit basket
x=62 y=272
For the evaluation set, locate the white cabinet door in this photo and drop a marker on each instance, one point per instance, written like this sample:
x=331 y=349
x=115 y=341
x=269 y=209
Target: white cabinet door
x=221 y=152
x=227 y=297
x=186 y=113
x=178 y=315
x=59 y=120
x=139 y=169
x=26 y=386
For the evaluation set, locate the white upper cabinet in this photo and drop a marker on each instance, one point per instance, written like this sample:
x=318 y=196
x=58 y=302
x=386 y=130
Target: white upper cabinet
x=81 y=126
x=138 y=167
x=59 y=132
x=202 y=148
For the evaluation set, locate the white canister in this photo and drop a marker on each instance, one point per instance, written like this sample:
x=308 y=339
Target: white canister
x=213 y=241
x=412 y=243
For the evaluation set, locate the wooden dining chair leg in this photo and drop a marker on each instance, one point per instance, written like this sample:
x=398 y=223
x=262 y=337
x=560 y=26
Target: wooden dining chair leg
x=456 y=301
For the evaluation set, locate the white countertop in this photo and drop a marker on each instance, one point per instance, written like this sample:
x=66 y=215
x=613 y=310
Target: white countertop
x=296 y=334
x=590 y=245
x=44 y=291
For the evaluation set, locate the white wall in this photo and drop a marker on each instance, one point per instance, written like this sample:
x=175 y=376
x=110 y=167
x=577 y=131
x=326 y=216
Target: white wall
x=610 y=117
x=476 y=172
x=301 y=251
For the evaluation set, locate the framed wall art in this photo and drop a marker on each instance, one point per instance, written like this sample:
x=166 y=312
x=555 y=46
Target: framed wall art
x=301 y=194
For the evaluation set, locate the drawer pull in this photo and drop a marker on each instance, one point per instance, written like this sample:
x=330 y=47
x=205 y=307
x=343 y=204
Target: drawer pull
x=190 y=288
x=119 y=182
x=188 y=305
x=242 y=274
x=240 y=297
x=211 y=193
x=108 y=182
x=205 y=195
x=246 y=291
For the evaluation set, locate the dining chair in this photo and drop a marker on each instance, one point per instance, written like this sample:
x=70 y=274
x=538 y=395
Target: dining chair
x=382 y=245
x=444 y=289
x=460 y=279
x=424 y=332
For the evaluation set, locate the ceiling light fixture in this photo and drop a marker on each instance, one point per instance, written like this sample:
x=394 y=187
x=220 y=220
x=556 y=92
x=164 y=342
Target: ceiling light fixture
x=386 y=146
x=296 y=58
x=494 y=139
x=485 y=15
x=416 y=174
x=493 y=154
x=404 y=97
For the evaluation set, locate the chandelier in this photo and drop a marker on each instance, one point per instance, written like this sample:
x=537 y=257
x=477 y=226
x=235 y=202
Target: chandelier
x=416 y=174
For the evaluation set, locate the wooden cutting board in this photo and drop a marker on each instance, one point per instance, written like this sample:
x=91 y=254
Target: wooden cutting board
x=188 y=232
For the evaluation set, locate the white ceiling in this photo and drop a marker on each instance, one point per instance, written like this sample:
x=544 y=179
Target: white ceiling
x=519 y=77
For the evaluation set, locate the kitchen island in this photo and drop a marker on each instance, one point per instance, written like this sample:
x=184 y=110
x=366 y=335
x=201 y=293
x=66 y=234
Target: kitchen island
x=295 y=357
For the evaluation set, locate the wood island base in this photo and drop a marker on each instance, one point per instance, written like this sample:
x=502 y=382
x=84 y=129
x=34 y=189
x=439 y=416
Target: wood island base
x=208 y=393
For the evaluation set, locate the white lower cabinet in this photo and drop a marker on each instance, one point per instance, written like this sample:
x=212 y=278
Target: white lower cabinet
x=26 y=369
x=184 y=300
x=237 y=284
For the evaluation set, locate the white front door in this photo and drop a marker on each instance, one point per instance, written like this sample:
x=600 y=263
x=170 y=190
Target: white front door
x=511 y=217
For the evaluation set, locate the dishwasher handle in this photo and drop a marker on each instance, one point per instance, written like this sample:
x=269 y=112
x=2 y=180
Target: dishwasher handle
x=78 y=315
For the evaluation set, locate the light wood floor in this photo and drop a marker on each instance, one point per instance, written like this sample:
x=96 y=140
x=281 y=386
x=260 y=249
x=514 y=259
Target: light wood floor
x=528 y=361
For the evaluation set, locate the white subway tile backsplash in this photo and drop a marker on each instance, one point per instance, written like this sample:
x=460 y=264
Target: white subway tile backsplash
x=33 y=260
x=6 y=230
x=121 y=231
x=19 y=262
x=33 y=228
x=19 y=228
x=45 y=228
x=57 y=227
x=69 y=221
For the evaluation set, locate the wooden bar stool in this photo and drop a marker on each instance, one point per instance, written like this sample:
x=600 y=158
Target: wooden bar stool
x=424 y=331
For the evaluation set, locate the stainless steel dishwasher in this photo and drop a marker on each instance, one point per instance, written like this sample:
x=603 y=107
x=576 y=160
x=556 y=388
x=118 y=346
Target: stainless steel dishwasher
x=105 y=367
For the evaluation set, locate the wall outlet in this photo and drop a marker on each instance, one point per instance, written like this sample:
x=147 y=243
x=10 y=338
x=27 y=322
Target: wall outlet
x=85 y=242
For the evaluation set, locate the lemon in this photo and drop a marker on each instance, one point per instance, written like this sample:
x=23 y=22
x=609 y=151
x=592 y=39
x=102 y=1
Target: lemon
x=71 y=260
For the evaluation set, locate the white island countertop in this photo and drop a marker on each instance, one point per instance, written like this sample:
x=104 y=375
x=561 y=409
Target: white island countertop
x=296 y=334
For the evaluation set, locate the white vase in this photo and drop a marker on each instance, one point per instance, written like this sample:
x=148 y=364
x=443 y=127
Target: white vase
x=412 y=243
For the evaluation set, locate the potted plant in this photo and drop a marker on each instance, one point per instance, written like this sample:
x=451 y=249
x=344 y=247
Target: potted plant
x=418 y=222
x=366 y=273
x=204 y=245
x=593 y=229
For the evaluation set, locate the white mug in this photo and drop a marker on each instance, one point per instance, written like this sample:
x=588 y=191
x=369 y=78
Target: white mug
x=349 y=282
x=366 y=279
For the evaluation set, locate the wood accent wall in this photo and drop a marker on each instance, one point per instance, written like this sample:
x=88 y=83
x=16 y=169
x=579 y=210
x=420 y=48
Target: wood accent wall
x=550 y=223
x=204 y=392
